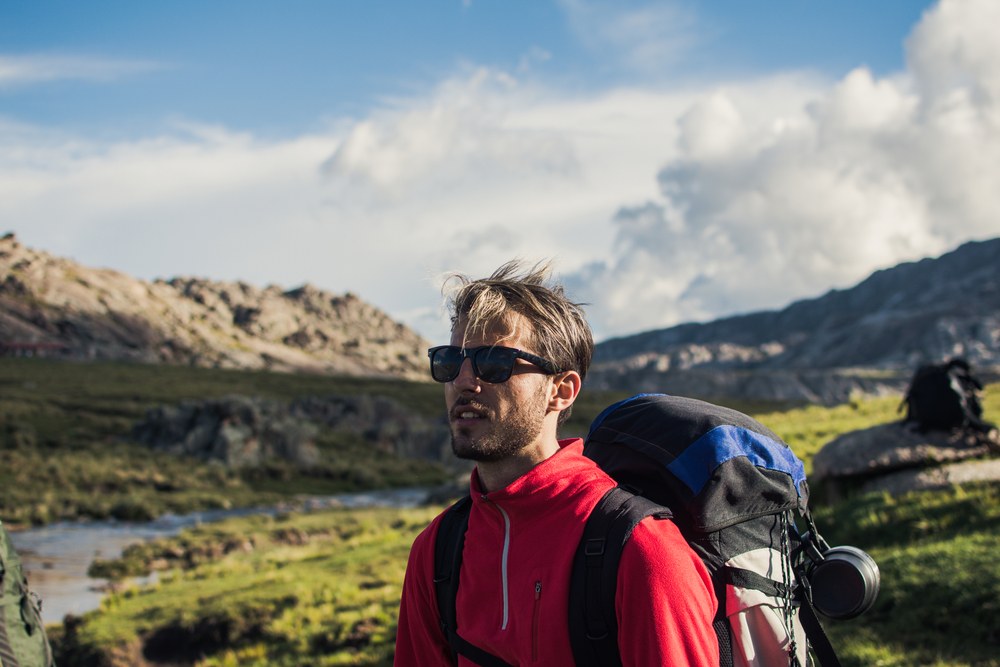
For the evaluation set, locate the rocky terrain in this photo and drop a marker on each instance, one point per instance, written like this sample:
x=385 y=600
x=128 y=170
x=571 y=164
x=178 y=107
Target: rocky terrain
x=868 y=339
x=243 y=432
x=57 y=307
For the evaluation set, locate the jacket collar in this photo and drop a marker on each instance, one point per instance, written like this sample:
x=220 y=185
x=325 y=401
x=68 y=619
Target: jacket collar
x=545 y=481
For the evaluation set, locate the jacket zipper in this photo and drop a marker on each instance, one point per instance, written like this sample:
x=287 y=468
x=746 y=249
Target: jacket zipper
x=536 y=616
x=503 y=563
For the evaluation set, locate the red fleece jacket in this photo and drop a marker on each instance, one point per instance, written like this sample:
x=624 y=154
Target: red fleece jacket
x=514 y=586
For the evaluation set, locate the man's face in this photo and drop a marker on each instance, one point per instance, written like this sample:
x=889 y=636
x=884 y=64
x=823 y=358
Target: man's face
x=490 y=422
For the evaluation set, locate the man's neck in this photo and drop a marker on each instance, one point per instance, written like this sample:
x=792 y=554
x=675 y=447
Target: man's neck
x=496 y=475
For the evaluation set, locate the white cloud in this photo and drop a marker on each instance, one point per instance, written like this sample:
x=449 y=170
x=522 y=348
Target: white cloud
x=766 y=205
x=478 y=170
x=659 y=206
x=21 y=70
x=459 y=137
x=646 y=38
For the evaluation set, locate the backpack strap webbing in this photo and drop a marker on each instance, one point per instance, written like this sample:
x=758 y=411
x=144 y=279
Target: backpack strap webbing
x=593 y=626
x=818 y=640
x=447 y=565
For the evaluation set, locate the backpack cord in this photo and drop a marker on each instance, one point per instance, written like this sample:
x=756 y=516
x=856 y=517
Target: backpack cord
x=786 y=579
x=819 y=642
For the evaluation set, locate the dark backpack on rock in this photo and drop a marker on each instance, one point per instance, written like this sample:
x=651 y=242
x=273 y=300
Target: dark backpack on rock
x=23 y=642
x=733 y=488
x=944 y=397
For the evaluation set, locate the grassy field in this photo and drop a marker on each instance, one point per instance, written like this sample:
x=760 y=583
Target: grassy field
x=66 y=451
x=323 y=588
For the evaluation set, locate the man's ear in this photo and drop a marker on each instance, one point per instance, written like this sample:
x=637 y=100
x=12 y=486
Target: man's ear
x=565 y=388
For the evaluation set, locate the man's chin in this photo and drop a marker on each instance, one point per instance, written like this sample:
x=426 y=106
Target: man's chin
x=469 y=449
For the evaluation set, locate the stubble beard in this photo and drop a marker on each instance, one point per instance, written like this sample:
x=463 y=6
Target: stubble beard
x=504 y=439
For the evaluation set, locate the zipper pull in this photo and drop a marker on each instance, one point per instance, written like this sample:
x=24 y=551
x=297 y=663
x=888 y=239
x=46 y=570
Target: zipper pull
x=538 y=590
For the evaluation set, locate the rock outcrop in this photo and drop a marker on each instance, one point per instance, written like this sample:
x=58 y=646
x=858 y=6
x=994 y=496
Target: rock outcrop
x=237 y=431
x=60 y=307
x=244 y=432
x=898 y=457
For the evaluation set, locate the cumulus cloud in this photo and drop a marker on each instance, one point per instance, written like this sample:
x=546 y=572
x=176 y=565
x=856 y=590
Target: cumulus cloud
x=201 y=201
x=488 y=167
x=460 y=136
x=659 y=206
x=478 y=170
x=763 y=206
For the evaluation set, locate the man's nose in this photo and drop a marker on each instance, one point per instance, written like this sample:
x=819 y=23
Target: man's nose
x=466 y=379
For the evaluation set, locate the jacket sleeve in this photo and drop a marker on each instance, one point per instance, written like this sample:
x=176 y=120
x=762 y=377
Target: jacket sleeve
x=419 y=639
x=665 y=602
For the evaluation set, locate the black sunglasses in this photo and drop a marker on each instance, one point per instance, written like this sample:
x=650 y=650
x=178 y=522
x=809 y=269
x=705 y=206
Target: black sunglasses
x=490 y=363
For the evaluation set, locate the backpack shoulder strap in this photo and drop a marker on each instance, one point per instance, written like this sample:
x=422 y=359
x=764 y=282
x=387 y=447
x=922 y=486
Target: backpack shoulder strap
x=826 y=656
x=593 y=625
x=447 y=565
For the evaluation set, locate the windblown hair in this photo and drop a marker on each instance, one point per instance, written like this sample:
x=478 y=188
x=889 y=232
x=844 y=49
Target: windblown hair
x=559 y=330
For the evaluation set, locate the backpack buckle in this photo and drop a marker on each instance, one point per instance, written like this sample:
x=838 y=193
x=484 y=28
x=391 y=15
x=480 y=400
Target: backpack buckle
x=594 y=547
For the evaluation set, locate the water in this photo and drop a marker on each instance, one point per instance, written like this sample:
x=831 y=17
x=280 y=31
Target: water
x=56 y=557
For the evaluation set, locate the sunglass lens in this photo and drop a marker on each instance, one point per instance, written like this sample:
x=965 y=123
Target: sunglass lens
x=446 y=363
x=494 y=364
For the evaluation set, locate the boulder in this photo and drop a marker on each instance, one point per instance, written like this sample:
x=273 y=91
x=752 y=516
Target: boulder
x=237 y=431
x=939 y=477
x=898 y=457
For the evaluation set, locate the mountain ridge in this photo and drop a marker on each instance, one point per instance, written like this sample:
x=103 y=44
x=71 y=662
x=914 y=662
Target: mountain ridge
x=868 y=338
x=62 y=307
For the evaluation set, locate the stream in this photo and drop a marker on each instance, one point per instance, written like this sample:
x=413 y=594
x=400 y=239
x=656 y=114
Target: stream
x=56 y=557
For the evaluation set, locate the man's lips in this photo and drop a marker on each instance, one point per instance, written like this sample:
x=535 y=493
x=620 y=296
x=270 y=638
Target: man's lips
x=466 y=411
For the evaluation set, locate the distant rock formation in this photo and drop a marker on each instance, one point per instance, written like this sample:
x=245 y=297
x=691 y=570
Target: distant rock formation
x=380 y=421
x=865 y=339
x=244 y=432
x=50 y=305
x=237 y=431
x=862 y=340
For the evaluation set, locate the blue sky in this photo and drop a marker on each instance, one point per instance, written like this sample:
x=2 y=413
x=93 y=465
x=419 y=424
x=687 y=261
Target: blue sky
x=282 y=67
x=678 y=160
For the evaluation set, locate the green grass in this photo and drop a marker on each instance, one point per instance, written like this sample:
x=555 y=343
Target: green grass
x=66 y=451
x=323 y=589
x=940 y=597
x=322 y=585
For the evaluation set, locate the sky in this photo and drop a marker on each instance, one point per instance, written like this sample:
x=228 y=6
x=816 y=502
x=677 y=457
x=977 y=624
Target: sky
x=677 y=161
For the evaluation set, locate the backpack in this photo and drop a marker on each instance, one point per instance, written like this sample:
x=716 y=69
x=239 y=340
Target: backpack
x=732 y=487
x=23 y=642
x=945 y=396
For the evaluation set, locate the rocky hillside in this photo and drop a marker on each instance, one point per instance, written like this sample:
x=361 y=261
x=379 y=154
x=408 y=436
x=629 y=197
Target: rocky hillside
x=54 y=306
x=865 y=339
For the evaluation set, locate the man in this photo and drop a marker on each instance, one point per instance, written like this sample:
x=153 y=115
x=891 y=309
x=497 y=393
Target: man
x=518 y=355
